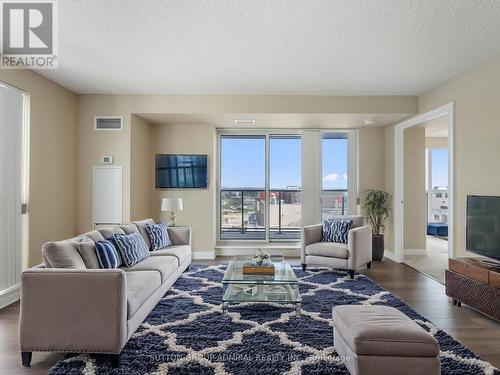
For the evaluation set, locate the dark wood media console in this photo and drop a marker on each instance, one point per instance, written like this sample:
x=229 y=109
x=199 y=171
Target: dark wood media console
x=475 y=284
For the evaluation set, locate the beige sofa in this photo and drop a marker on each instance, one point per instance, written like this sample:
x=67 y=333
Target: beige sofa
x=351 y=256
x=84 y=310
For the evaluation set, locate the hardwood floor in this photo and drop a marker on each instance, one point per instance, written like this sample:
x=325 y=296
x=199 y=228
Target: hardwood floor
x=422 y=293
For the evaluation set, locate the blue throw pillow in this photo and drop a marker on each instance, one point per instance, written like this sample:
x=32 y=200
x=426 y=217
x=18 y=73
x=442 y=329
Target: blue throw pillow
x=158 y=236
x=336 y=230
x=327 y=234
x=107 y=255
x=132 y=248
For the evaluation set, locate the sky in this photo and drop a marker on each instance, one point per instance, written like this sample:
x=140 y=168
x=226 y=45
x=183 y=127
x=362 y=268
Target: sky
x=243 y=163
x=439 y=167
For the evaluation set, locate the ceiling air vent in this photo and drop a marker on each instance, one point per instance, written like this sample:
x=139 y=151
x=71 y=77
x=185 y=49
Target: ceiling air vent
x=108 y=123
x=244 y=122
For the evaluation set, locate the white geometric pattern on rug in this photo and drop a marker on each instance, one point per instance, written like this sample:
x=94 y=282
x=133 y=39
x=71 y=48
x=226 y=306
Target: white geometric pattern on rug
x=309 y=353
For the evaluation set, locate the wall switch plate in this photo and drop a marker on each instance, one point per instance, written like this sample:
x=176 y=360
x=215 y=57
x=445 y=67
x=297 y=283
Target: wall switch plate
x=107 y=159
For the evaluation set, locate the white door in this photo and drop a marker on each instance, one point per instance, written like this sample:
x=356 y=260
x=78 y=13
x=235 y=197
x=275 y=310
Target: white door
x=107 y=195
x=11 y=192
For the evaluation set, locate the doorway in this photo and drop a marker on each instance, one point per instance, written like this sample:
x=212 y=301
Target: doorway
x=423 y=195
x=13 y=190
x=427 y=197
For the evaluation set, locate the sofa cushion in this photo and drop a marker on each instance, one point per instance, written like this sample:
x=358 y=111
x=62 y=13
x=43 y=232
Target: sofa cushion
x=129 y=228
x=86 y=249
x=158 y=236
x=94 y=235
x=328 y=249
x=62 y=254
x=382 y=330
x=132 y=248
x=107 y=232
x=107 y=254
x=181 y=252
x=141 y=225
x=165 y=265
x=140 y=286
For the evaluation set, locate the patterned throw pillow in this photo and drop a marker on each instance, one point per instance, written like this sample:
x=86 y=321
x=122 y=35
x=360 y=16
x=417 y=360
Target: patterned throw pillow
x=158 y=236
x=336 y=230
x=132 y=248
x=107 y=254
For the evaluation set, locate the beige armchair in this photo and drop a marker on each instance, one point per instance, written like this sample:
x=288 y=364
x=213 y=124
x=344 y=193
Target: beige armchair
x=351 y=256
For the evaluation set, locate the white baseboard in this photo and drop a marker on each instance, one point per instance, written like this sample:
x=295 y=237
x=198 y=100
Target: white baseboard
x=389 y=254
x=415 y=252
x=9 y=295
x=203 y=255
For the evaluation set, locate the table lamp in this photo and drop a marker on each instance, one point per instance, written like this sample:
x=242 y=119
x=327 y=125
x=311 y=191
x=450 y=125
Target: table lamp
x=172 y=205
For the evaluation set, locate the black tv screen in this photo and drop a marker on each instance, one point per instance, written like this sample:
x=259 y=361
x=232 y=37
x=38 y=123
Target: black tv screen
x=181 y=171
x=483 y=225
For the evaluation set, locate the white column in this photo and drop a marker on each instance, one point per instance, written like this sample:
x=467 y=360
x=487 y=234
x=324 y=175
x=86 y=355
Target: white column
x=311 y=177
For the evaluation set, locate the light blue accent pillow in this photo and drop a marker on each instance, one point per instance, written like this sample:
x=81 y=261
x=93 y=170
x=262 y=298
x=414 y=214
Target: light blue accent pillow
x=336 y=230
x=107 y=255
x=158 y=236
x=131 y=247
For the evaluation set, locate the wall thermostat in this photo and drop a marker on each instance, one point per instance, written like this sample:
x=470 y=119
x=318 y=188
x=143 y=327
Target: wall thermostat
x=107 y=159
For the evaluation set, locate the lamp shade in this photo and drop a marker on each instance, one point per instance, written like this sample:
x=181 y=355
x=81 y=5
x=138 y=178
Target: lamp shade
x=171 y=204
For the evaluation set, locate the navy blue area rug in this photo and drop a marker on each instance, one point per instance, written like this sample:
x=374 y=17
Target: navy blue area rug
x=187 y=333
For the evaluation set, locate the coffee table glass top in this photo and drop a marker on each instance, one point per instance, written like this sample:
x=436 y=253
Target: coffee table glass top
x=282 y=287
x=283 y=274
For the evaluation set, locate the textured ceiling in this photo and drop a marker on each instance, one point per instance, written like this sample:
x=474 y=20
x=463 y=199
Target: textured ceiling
x=336 y=47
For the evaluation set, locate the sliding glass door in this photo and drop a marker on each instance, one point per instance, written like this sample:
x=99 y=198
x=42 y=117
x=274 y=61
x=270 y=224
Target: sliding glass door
x=253 y=167
x=285 y=175
x=242 y=187
x=334 y=195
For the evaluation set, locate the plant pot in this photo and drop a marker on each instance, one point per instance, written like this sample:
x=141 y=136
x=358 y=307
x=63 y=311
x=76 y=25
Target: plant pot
x=378 y=247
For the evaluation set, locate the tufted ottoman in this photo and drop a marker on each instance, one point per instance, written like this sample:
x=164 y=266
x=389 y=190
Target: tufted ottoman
x=380 y=340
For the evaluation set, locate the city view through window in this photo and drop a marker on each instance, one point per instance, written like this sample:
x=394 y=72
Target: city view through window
x=438 y=202
x=243 y=185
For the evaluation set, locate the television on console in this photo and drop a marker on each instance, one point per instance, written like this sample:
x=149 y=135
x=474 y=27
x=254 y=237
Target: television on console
x=181 y=171
x=483 y=226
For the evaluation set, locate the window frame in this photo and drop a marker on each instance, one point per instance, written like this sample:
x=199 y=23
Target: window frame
x=266 y=133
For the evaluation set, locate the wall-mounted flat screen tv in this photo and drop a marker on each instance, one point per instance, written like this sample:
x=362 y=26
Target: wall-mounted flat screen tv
x=483 y=225
x=181 y=171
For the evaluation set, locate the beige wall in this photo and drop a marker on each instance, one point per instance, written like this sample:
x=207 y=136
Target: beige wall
x=414 y=188
x=140 y=168
x=199 y=204
x=371 y=151
x=436 y=142
x=94 y=144
x=53 y=159
x=389 y=185
x=256 y=103
x=476 y=94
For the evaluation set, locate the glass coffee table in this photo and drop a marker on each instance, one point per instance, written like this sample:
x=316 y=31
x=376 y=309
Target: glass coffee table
x=282 y=287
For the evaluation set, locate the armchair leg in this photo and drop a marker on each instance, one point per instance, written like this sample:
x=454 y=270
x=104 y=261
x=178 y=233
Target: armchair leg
x=304 y=266
x=369 y=265
x=351 y=274
x=26 y=358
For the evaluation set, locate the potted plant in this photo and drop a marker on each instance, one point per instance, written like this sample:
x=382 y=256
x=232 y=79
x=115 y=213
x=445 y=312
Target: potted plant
x=377 y=206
